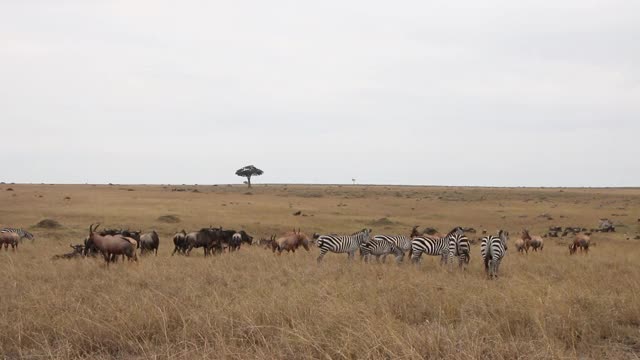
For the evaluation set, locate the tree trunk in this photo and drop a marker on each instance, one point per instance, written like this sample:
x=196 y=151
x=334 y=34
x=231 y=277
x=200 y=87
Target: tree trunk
x=249 y=181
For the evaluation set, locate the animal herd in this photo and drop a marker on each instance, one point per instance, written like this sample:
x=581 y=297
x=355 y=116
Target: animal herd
x=112 y=243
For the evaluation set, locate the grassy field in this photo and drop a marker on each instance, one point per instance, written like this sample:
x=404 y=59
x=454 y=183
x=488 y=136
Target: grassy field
x=253 y=304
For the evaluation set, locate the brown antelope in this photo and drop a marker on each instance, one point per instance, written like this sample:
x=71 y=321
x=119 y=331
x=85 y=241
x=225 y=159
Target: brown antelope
x=581 y=241
x=291 y=241
x=9 y=238
x=112 y=245
x=534 y=242
x=520 y=245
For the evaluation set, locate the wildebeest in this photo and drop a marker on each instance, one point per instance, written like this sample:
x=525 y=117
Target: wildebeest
x=535 y=242
x=291 y=242
x=234 y=243
x=208 y=238
x=149 y=242
x=111 y=245
x=9 y=238
x=180 y=243
x=78 y=251
x=246 y=238
x=581 y=241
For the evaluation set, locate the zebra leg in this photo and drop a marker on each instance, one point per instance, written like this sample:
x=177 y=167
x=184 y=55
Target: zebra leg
x=415 y=257
x=322 y=253
x=351 y=255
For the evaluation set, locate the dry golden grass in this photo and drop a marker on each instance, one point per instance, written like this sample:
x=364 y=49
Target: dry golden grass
x=253 y=304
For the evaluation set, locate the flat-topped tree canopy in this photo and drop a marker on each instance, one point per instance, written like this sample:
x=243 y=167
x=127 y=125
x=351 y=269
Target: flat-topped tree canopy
x=249 y=171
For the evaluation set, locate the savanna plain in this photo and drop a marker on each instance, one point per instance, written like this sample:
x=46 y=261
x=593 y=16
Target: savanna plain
x=256 y=305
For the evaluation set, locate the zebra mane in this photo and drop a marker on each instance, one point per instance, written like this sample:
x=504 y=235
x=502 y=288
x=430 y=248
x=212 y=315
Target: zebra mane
x=359 y=232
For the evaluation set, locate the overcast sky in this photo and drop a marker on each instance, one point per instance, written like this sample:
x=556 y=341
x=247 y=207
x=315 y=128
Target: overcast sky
x=500 y=93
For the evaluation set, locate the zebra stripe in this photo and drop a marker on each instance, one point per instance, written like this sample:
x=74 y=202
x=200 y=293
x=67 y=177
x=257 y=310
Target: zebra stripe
x=21 y=232
x=493 y=248
x=433 y=246
x=342 y=243
x=378 y=247
x=400 y=242
x=459 y=247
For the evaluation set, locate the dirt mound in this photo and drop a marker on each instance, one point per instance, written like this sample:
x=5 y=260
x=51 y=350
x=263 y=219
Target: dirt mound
x=48 y=224
x=169 y=219
x=381 y=222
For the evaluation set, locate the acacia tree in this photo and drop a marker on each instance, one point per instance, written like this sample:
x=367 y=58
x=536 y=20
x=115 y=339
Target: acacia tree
x=249 y=171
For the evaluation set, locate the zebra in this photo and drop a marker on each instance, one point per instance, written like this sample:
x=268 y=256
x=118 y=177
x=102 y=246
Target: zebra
x=433 y=246
x=342 y=243
x=400 y=242
x=459 y=247
x=379 y=247
x=21 y=232
x=493 y=248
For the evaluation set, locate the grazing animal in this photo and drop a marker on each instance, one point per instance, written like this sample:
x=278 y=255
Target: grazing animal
x=180 y=243
x=9 y=238
x=580 y=242
x=291 y=242
x=236 y=241
x=534 y=242
x=521 y=246
x=112 y=245
x=21 y=233
x=459 y=247
x=493 y=248
x=433 y=245
x=149 y=242
x=225 y=238
x=379 y=247
x=267 y=243
x=342 y=243
x=208 y=238
x=246 y=238
x=400 y=242
x=78 y=251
